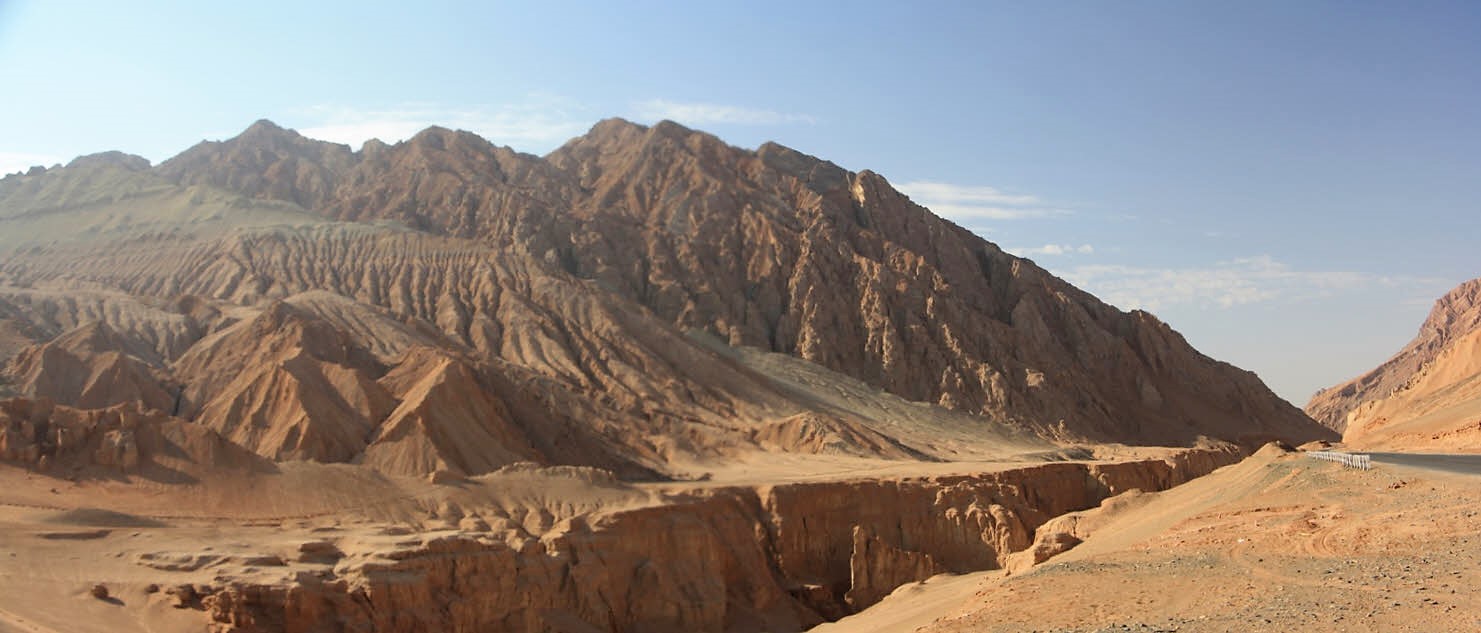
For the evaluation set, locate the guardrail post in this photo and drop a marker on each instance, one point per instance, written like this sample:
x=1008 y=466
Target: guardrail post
x=1348 y=460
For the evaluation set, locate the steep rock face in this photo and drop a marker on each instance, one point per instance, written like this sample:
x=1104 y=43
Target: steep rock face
x=876 y=568
x=459 y=184
x=729 y=559
x=1428 y=394
x=1455 y=315
x=597 y=380
x=778 y=249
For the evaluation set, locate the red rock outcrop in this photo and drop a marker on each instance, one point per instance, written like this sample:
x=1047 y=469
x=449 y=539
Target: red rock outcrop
x=286 y=385
x=876 y=568
x=119 y=439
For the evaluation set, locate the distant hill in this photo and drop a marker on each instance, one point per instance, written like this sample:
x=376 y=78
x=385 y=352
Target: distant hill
x=1428 y=395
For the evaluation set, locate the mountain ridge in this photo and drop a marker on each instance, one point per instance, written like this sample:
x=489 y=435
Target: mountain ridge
x=1429 y=392
x=581 y=271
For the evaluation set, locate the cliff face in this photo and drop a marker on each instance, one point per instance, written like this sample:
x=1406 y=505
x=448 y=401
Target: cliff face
x=1428 y=394
x=779 y=558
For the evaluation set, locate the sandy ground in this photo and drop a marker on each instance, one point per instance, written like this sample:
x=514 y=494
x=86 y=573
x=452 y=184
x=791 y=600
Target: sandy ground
x=1272 y=544
x=58 y=538
x=1275 y=543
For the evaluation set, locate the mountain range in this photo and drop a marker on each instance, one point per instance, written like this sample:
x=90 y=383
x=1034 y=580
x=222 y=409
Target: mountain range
x=644 y=299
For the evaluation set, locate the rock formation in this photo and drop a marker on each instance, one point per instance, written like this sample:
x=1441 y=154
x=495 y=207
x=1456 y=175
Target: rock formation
x=121 y=439
x=1427 y=395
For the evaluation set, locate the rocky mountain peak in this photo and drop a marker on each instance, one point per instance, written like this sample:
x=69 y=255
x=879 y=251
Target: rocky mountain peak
x=1456 y=314
x=671 y=129
x=116 y=159
x=612 y=128
x=265 y=130
x=265 y=161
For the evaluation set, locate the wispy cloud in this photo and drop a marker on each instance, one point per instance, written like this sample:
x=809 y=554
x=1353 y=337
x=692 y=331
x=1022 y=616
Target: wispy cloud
x=698 y=113
x=1053 y=249
x=12 y=162
x=1226 y=284
x=535 y=123
x=964 y=203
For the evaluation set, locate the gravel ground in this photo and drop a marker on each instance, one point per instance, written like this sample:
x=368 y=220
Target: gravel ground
x=1314 y=548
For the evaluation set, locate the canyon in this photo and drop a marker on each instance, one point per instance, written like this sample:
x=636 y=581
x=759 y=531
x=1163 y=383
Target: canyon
x=531 y=548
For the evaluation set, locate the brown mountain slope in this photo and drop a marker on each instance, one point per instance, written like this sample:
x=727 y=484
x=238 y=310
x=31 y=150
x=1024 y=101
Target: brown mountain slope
x=777 y=249
x=425 y=435
x=265 y=162
x=286 y=385
x=623 y=303
x=90 y=367
x=592 y=379
x=1426 y=396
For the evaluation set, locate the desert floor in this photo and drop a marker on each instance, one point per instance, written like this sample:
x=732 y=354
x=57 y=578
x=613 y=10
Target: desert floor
x=1275 y=543
x=1278 y=542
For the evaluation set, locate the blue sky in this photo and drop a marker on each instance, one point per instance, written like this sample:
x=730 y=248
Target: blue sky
x=1290 y=184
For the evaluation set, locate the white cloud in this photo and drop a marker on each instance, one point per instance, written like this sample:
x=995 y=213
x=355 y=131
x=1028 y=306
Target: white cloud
x=12 y=162
x=964 y=203
x=1053 y=249
x=536 y=123
x=945 y=192
x=1227 y=284
x=694 y=113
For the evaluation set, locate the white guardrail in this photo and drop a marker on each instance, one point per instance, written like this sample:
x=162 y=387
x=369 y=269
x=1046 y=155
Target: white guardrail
x=1350 y=460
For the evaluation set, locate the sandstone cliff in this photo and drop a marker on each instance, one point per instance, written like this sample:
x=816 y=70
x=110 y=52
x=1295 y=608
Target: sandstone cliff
x=1427 y=395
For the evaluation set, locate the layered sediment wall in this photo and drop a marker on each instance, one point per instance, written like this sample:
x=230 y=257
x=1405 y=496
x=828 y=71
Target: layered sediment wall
x=778 y=558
